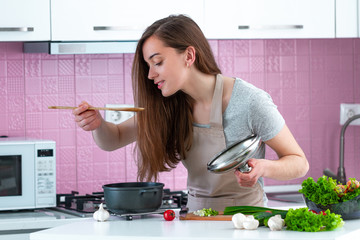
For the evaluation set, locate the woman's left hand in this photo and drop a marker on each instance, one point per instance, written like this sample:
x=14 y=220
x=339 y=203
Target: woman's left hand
x=249 y=179
x=292 y=162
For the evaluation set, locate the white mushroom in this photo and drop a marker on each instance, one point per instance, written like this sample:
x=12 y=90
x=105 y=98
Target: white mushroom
x=251 y=223
x=242 y=222
x=276 y=223
x=238 y=220
x=101 y=214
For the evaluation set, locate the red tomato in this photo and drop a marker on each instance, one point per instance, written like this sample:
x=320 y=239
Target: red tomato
x=352 y=185
x=310 y=210
x=169 y=215
x=323 y=213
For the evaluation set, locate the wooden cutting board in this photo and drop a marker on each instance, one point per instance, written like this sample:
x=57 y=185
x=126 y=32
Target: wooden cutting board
x=220 y=217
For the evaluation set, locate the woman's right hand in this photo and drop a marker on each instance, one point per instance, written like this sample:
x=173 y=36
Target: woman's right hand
x=87 y=119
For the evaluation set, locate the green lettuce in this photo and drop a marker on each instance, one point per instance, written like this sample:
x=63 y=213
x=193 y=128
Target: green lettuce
x=324 y=191
x=302 y=219
x=320 y=192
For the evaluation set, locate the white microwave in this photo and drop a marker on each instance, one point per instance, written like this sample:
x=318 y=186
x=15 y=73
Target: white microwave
x=27 y=173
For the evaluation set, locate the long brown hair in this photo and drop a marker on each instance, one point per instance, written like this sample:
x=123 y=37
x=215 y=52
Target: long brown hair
x=164 y=129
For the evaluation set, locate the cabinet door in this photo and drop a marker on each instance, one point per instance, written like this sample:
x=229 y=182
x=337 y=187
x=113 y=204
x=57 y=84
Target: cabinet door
x=269 y=18
x=24 y=20
x=114 y=19
x=346 y=18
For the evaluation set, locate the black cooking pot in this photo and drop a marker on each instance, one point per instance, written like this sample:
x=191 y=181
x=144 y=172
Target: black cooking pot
x=133 y=197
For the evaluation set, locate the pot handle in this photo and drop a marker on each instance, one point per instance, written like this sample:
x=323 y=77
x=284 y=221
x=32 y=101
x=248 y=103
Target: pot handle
x=143 y=191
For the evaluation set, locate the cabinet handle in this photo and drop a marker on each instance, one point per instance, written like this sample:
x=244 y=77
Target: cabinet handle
x=116 y=28
x=264 y=27
x=16 y=29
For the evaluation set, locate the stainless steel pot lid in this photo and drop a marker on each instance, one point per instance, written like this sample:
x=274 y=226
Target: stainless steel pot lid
x=235 y=156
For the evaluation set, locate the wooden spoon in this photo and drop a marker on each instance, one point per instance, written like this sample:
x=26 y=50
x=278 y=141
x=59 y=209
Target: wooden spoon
x=128 y=109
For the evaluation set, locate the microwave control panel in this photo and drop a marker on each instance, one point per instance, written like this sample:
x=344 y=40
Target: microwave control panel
x=45 y=174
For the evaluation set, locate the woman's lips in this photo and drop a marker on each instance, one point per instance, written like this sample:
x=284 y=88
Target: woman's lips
x=160 y=84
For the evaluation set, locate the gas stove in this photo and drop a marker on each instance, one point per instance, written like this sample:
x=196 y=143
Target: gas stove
x=86 y=205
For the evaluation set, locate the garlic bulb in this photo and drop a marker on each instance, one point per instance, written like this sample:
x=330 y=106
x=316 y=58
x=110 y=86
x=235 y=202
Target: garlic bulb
x=276 y=223
x=242 y=222
x=238 y=220
x=101 y=214
x=251 y=223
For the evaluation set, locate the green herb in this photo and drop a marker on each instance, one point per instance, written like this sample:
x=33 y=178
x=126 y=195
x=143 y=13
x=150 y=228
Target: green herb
x=262 y=214
x=206 y=212
x=302 y=219
x=249 y=210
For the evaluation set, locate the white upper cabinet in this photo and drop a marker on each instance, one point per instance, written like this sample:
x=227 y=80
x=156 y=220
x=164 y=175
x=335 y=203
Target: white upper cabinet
x=116 y=20
x=358 y=18
x=243 y=19
x=94 y=20
x=24 y=20
x=346 y=18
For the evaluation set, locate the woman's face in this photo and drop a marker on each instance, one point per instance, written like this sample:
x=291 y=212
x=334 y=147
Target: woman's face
x=167 y=67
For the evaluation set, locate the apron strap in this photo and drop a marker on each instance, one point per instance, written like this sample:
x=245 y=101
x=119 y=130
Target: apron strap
x=216 y=117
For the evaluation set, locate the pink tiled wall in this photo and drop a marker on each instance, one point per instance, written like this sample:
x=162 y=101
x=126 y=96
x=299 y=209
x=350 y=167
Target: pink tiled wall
x=308 y=79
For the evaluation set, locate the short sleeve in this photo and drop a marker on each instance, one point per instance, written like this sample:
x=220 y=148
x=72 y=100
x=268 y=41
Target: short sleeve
x=264 y=117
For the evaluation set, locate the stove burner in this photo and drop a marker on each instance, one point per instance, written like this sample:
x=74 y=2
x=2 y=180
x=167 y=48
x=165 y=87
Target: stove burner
x=82 y=203
x=89 y=203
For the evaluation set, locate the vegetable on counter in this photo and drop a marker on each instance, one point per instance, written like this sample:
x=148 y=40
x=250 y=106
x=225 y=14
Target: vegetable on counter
x=250 y=210
x=328 y=191
x=302 y=219
x=206 y=212
x=276 y=223
x=324 y=192
x=169 y=215
x=238 y=219
x=262 y=214
x=101 y=215
x=241 y=221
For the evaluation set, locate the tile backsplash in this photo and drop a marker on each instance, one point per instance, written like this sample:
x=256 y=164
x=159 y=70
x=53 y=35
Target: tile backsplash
x=307 y=78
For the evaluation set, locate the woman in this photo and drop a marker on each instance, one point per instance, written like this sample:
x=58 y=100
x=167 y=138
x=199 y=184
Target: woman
x=192 y=112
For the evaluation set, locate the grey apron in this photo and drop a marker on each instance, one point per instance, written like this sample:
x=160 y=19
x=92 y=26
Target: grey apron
x=206 y=189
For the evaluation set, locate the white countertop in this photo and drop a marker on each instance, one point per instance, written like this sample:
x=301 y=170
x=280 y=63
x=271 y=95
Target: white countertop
x=17 y=225
x=155 y=227
x=34 y=219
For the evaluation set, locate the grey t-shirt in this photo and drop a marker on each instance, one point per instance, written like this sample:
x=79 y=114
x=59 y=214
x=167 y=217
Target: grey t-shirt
x=251 y=111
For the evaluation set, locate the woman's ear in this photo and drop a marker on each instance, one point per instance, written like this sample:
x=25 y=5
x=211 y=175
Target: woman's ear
x=190 y=56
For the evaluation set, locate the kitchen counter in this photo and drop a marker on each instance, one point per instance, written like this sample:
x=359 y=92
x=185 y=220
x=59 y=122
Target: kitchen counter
x=155 y=227
x=34 y=219
x=16 y=225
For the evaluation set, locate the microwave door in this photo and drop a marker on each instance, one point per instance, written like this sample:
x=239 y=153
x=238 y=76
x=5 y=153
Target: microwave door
x=10 y=175
x=17 y=182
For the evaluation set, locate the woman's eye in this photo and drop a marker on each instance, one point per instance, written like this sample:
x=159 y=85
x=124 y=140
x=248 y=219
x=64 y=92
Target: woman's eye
x=158 y=64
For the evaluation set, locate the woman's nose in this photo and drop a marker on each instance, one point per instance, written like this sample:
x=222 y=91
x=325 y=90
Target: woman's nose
x=152 y=74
